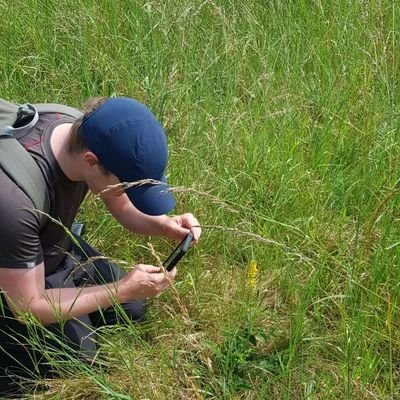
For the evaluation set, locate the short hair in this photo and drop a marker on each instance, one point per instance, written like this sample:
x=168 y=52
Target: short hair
x=76 y=143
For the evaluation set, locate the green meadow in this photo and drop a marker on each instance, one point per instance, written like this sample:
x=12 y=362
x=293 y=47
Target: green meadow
x=283 y=122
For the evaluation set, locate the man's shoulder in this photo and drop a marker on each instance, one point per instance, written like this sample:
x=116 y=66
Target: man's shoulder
x=19 y=227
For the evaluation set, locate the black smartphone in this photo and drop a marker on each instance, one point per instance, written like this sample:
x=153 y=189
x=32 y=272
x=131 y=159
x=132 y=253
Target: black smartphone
x=178 y=253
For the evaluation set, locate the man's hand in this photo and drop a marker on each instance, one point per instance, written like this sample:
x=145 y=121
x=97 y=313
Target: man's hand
x=144 y=281
x=177 y=227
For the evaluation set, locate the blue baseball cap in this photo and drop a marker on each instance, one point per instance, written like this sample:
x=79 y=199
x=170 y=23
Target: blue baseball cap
x=130 y=143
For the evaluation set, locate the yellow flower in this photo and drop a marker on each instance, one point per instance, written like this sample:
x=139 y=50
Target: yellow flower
x=252 y=274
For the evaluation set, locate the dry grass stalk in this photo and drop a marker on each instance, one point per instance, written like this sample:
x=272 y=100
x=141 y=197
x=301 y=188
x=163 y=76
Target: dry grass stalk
x=182 y=307
x=184 y=313
x=176 y=189
x=128 y=185
x=213 y=199
x=257 y=237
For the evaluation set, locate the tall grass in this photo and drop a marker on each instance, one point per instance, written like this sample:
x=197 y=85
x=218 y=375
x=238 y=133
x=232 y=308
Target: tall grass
x=283 y=122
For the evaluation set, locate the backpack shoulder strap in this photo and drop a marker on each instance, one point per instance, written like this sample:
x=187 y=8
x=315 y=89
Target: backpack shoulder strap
x=43 y=108
x=23 y=170
x=17 y=163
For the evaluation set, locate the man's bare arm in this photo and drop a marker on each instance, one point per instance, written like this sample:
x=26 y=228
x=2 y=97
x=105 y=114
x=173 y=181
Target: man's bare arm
x=175 y=227
x=25 y=291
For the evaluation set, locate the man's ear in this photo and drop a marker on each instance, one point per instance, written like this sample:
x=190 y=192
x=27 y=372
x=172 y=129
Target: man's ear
x=90 y=159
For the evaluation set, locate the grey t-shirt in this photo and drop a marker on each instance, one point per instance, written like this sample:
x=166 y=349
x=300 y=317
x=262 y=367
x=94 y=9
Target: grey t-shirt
x=22 y=243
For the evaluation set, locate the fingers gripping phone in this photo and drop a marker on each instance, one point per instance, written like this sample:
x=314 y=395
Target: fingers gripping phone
x=178 y=252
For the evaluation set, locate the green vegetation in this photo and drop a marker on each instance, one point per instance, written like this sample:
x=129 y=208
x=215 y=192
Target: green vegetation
x=283 y=122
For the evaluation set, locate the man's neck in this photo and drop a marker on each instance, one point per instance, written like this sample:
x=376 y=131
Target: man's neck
x=68 y=163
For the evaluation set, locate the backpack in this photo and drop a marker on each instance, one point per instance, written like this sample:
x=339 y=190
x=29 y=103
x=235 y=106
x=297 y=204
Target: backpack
x=15 y=160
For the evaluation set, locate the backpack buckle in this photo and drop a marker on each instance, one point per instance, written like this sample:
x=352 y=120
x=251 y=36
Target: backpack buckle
x=25 y=110
x=25 y=115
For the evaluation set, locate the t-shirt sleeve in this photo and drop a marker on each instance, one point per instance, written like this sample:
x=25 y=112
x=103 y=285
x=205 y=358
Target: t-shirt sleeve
x=19 y=228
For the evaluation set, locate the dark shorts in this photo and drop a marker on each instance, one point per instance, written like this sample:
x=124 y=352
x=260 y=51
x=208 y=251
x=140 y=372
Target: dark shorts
x=20 y=361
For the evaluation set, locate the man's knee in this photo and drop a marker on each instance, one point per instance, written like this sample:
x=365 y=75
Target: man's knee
x=136 y=309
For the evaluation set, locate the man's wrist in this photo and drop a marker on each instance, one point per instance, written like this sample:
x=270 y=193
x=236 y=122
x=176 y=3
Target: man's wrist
x=163 y=225
x=121 y=291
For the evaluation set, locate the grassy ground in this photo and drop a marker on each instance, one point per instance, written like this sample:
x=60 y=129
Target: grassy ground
x=283 y=123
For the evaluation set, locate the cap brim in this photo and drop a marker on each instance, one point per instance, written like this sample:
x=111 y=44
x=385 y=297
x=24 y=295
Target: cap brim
x=152 y=199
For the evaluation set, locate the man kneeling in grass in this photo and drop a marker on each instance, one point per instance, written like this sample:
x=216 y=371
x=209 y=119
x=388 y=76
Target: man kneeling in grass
x=116 y=140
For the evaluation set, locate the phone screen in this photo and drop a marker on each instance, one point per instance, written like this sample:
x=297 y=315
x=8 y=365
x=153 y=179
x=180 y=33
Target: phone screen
x=178 y=252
